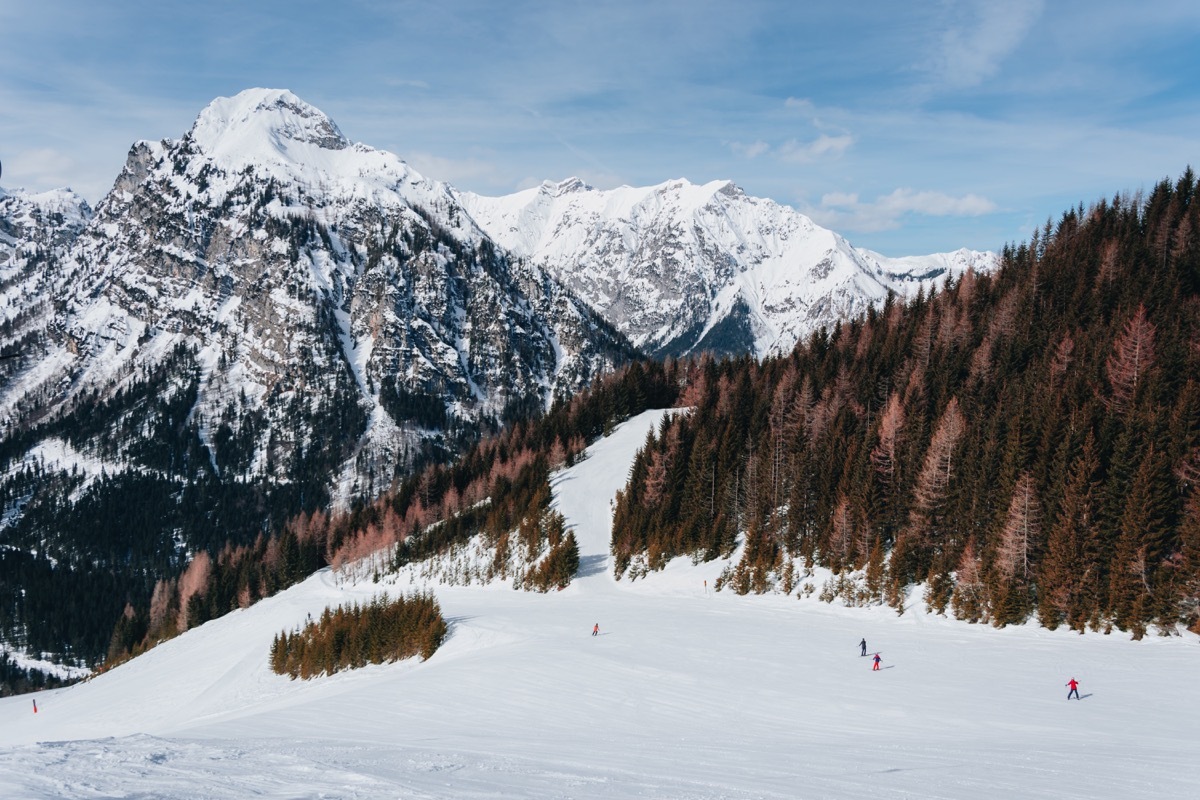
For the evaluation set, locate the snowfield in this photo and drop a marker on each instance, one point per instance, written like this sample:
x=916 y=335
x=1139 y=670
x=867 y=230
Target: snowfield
x=684 y=694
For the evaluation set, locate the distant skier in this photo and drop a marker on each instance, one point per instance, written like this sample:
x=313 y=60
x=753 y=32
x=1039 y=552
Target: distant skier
x=1074 y=684
x=863 y=645
x=596 y=629
x=876 y=661
x=35 y=706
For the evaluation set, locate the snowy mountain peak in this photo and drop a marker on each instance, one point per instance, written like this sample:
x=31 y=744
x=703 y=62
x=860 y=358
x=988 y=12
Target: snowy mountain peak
x=63 y=201
x=568 y=186
x=277 y=254
x=265 y=123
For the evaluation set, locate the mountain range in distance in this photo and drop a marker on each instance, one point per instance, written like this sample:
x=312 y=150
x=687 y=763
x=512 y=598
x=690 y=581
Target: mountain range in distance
x=307 y=271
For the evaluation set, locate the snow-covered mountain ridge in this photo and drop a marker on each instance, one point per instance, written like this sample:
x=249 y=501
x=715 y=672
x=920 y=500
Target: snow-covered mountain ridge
x=680 y=267
x=286 y=256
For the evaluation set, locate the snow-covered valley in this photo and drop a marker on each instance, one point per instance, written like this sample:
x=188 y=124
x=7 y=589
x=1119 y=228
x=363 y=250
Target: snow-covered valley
x=684 y=694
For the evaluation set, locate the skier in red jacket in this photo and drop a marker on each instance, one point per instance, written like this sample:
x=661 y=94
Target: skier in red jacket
x=596 y=629
x=1074 y=684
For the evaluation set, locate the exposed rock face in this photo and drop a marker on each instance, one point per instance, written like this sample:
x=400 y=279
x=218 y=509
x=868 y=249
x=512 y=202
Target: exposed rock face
x=36 y=232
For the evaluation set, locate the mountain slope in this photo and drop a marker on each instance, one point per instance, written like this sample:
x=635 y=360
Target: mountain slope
x=682 y=695
x=261 y=317
x=680 y=267
x=285 y=255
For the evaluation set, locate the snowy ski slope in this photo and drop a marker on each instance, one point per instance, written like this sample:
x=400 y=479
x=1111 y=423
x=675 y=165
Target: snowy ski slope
x=683 y=695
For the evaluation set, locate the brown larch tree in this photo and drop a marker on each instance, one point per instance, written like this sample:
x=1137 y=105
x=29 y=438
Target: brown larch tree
x=1132 y=356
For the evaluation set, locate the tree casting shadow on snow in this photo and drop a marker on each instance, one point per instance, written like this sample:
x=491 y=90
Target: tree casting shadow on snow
x=591 y=565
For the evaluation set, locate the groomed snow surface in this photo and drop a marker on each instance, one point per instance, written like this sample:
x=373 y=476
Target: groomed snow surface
x=682 y=695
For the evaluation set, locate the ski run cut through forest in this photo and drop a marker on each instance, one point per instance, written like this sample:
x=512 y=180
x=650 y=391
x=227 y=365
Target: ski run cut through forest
x=684 y=693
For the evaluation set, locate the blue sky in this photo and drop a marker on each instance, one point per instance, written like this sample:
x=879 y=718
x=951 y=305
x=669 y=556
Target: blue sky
x=907 y=127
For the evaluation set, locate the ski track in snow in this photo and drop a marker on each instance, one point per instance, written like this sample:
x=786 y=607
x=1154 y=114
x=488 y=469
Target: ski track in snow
x=683 y=695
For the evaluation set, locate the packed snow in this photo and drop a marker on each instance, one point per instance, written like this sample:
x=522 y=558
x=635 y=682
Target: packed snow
x=685 y=693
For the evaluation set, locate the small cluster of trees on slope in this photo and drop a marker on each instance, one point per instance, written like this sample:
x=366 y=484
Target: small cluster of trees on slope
x=350 y=637
x=1023 y=443
x=500 y=489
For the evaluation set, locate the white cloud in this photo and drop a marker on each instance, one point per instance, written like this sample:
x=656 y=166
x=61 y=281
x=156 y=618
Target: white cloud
x=973 y=49
x=457 y=172
x=838 y=199
x=819 y=118
x=795 y=151
x=802 y=104
x=831 y=140
x=406 y=83
x=824 y=146
x=935 y=204
x=843 y=211
x=752 y=150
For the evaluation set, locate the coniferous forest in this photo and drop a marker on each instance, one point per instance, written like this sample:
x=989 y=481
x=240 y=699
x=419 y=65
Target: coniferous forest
x=380 y=631
x=1022 y=444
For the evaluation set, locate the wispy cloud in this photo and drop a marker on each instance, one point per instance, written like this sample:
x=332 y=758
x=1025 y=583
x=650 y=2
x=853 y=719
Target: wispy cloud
x=406 y=83
x=825 y=140
x=796 y=151
x=823 y=147
x=844 y=211
x=751 y=150
x=455 y=171
x=980 y=35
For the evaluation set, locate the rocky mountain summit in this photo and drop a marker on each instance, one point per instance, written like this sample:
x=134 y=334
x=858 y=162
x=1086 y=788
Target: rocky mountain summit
x=305 y=276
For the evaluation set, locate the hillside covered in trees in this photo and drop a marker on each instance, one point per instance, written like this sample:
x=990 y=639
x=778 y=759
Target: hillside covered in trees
x=1023 y=444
